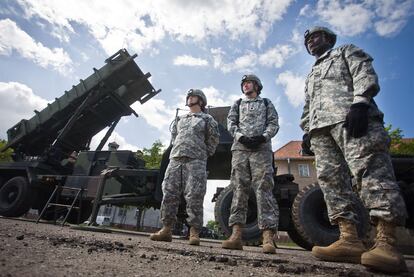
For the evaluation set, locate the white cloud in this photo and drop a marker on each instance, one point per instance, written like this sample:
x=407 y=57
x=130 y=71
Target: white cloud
x=349 y=18
x=305 y=10
x=120 y=140
x=272 y=57
x=138 y=25
x=17 y=102
x=240 y=64
x=276 y=56
x=159 y=115
x=294 y=87
x=189 y=61
x=245 y=62
x=387 y=17
x=12 y=38
x=394 y=15
x=84 y=57
x=215 y=98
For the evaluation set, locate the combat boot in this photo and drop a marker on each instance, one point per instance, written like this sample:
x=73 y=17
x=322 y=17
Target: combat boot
x=235 y=240
x=348 y=248
x=165 y=234
x=268 y=243
x=384 y=256
x=194 y=236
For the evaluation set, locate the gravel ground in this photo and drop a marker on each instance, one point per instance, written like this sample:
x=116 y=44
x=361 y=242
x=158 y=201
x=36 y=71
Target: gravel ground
x=29 y=249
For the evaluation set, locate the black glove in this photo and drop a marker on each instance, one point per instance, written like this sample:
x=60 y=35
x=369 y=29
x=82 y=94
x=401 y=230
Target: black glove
x=256 y=141
x=259 y=139
x=245 y=140
x=249 y=142
x=306 y=145
x=356 y=122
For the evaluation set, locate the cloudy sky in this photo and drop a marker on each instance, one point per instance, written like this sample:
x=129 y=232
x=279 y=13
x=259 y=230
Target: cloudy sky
x=46 y=46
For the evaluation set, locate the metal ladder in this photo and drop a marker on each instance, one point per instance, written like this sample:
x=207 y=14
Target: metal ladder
x=56 y=194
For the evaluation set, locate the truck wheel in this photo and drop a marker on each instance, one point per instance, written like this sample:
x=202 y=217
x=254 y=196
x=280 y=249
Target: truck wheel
x=1 y=181
x=407 y=191
x=84 y=214
x=298 y=239
x=16 y=197
x=251 y=232
x=310 y=217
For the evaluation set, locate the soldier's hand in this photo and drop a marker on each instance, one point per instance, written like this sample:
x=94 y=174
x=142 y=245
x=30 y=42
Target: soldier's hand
x=256 y=141
x=245 y=140
x=306 y=145
x=248 y=142
x=259 y=139
x=356 y=122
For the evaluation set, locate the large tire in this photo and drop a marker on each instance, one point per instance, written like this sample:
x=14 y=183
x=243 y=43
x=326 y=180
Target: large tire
x=251 y=233
x=310 y=218
x=298 y=239
x=16 y=197
x=2 y=181
x=407 y=191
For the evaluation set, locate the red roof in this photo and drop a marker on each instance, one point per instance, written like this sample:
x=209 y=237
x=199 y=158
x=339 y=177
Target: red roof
x=291 y=150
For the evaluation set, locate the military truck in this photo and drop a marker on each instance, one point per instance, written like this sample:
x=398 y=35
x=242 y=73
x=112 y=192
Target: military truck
x=51 y=149
x=55 y=172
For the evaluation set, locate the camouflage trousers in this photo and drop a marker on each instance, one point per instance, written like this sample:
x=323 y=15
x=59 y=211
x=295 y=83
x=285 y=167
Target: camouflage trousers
x=253 y=169
x=338 y=156
x=188 y=177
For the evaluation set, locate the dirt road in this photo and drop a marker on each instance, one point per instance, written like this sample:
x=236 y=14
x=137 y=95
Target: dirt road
x=29 y=249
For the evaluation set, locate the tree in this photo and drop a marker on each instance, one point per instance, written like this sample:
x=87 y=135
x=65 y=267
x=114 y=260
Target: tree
x=5 y=156
x=152 y=156
x=398 y=145
x=215 y=229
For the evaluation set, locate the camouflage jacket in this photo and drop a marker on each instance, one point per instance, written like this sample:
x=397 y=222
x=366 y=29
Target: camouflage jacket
x=339 y=78
x=249 y=119
x=194 y=135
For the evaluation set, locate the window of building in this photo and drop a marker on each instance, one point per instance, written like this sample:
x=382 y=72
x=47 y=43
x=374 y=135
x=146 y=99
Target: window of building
x=107 y=211
x=122 y=212
x=304 y=170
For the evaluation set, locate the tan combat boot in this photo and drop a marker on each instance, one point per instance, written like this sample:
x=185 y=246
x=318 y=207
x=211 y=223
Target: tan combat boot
x=268 y=243
x=165 y=234
x=194 y=236
x=384 y=256
x=347 y=249
x=235 y=240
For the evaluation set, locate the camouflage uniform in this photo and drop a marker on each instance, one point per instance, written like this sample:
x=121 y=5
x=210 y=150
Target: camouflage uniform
x=253 y=168
x=339 y=78
x=194 y=137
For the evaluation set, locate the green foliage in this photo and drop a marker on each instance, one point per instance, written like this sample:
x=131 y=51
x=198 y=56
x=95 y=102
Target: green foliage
x=398 y=145
x=6 y=155
x=214 y=227
x=396 y=134
x=152 y=156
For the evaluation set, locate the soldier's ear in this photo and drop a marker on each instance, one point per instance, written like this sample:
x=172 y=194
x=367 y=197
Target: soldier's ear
x=200 y=101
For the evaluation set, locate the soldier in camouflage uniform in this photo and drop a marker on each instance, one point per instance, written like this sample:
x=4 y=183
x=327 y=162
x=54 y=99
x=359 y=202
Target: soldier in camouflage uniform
x=252 y=121
x=344 y=128
x=195 y=136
